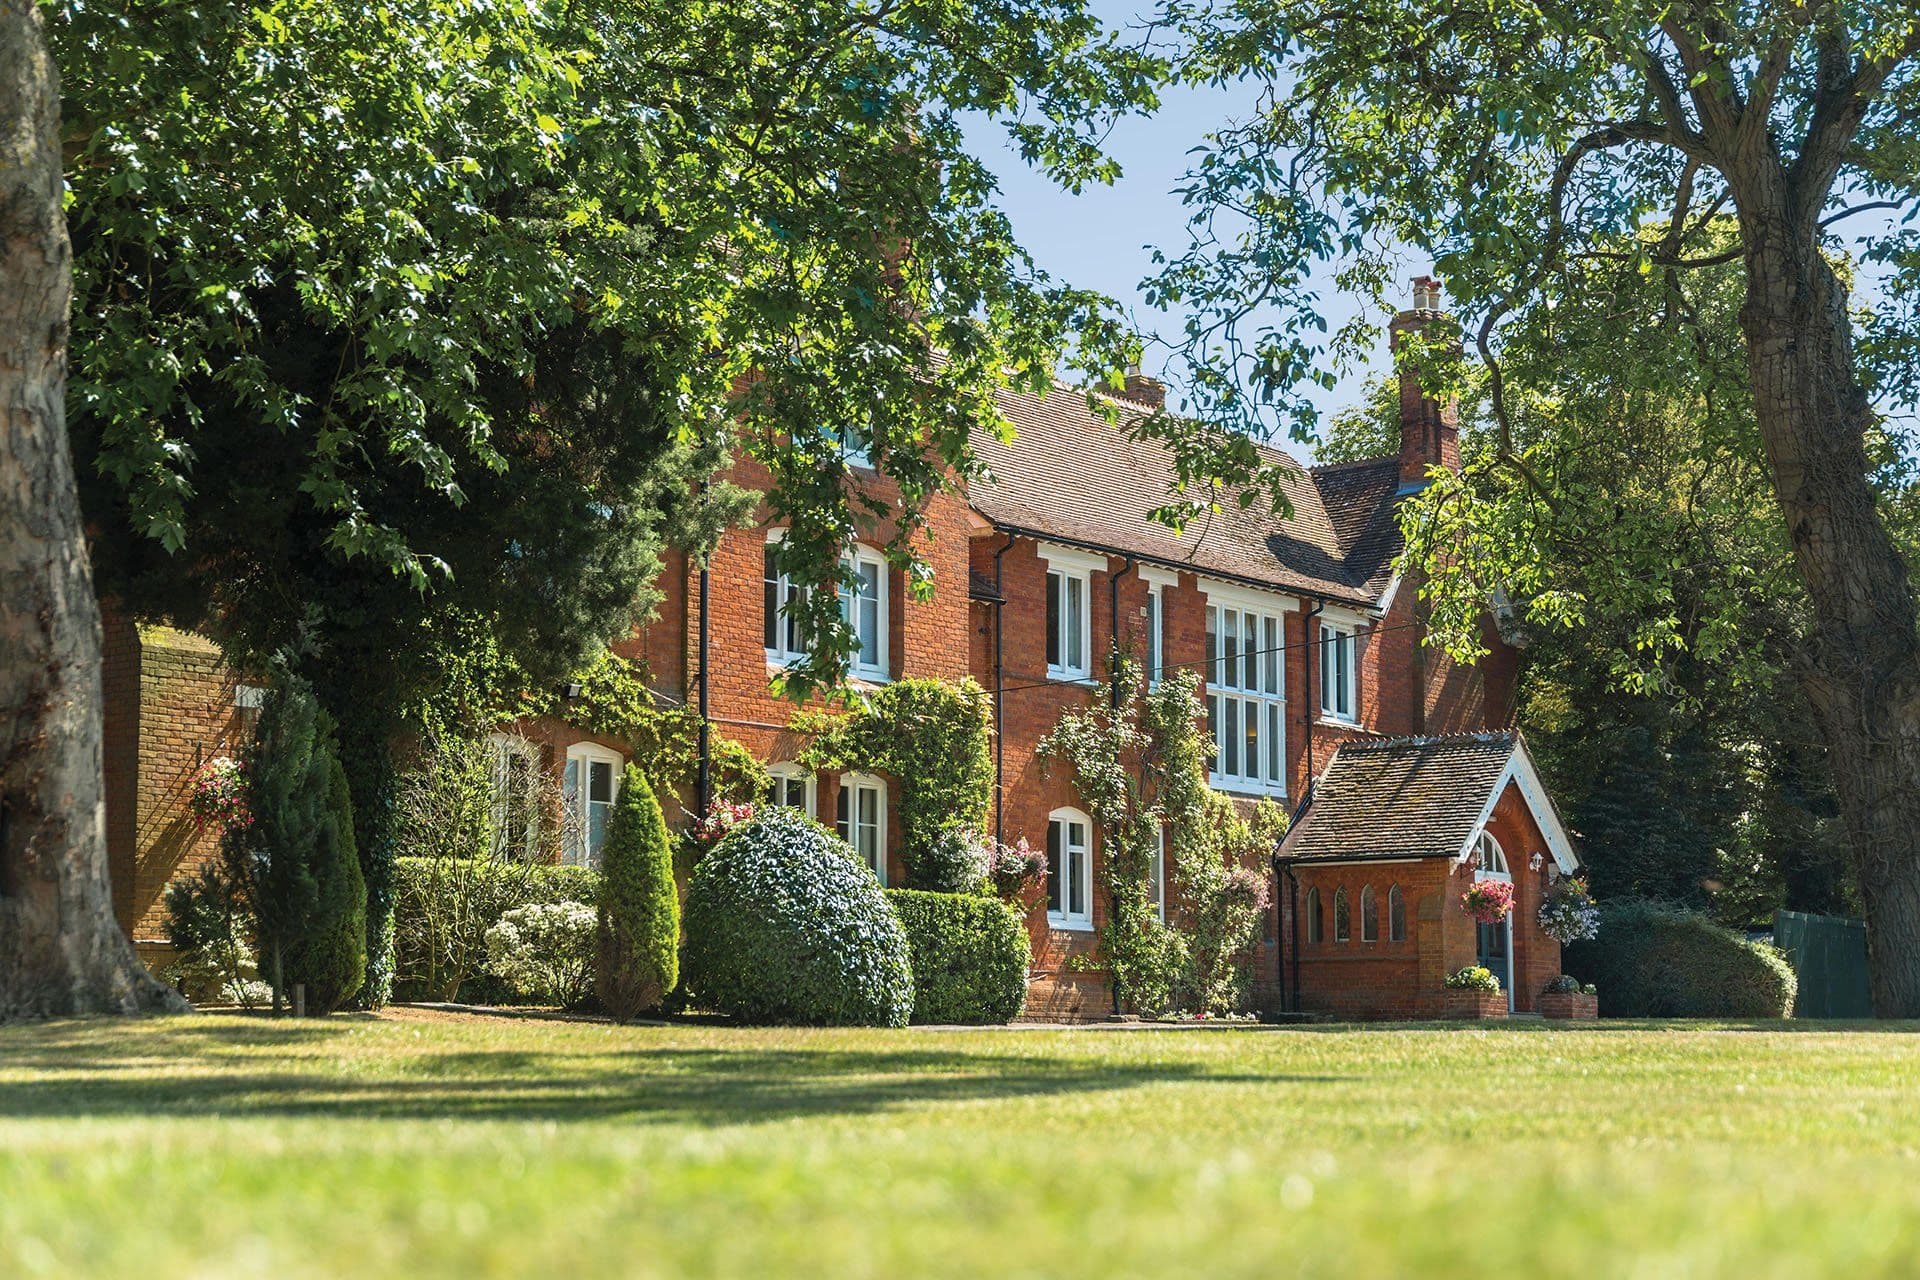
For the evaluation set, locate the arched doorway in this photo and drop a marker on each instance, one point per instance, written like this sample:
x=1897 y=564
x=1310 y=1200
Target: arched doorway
x=1495 y=950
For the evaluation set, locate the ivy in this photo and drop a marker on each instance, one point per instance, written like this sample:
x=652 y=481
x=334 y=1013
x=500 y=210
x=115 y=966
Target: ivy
x=1140 y=767
x=934 y=738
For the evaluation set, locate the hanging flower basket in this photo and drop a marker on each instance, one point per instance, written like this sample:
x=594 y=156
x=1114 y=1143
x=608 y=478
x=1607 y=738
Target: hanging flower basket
x=1489 y=901
x=218 y=799
x=1568 y=914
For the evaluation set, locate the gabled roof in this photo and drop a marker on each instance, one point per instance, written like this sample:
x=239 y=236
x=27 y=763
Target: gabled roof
x=1071 y=474
x=1419 y=798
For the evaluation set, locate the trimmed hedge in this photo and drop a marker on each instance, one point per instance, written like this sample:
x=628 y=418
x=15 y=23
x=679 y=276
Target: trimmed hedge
x=1653 y=960
x=970 y=956
x=495 y=891
x=785 y=924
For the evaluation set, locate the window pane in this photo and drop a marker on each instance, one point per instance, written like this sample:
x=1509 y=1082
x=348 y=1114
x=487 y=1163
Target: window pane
x=599 y=781
x=1275 y=744
x=1230 y=764
x=1053 y=866
x=1053 y=620
x=1230 y=647
x=1076 y=624
x=1271 y=657
x=1080 y=857
x=770 y=601
x=1253 y=740
x=1213 y=645
x=1249 y=652
x=840 y=813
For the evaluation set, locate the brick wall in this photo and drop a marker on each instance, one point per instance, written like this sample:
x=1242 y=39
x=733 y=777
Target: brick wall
x=169 y=708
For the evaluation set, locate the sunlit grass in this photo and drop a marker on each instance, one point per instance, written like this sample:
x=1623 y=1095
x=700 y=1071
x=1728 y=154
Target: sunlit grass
x=428 y=1145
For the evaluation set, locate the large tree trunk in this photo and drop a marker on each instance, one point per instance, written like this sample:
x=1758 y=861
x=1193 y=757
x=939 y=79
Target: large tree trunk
x=1861 y=668
x=61 y=951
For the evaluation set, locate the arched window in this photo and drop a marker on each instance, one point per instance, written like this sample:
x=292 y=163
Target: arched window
x=1342 y=917
x=860 y=816
x=1396 y=915
x=792 y=788
x=1369 y=915
x=1069 y=869
x=1316 y=927
x=1489 y=860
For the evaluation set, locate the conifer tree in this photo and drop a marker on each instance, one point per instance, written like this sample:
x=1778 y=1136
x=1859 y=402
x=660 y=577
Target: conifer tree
x=307 y=889
x=639 y=936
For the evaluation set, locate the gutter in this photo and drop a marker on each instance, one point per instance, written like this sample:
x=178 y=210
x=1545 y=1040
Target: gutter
x=1000 y=696
x=1113 y=629
x=1238 y=579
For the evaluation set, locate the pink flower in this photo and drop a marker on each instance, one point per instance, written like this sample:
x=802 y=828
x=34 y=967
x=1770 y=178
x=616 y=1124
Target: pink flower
x=1489 y=901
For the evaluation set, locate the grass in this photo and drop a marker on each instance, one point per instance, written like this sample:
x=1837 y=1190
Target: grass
x=419 y=1144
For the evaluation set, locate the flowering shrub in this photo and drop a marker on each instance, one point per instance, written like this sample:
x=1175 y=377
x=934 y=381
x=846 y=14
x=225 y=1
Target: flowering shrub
x=1016 y=869
x=544 y=951
x=1472 y=978
x=217 y=800
x=1568 y=914
x=721 y=818
x=1567 y=984
x=956 y=860
x=1489 y=901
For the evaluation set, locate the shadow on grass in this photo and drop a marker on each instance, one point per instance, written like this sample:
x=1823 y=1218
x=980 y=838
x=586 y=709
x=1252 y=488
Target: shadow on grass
x=230 y=1067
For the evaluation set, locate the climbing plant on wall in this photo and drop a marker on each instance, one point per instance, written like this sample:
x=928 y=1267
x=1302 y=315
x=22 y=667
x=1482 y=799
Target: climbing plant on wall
x=934 y=738
x=1141 y=767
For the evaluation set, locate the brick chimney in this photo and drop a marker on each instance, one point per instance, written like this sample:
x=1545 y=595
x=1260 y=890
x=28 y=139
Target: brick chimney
x=1141 y=389
x=1429 y=429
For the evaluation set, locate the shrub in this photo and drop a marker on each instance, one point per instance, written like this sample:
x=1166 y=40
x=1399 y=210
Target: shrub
x=785 y=924
x=443 y=909
x=956 y=860
x=544 y=951
x=1661 y=961
x=1472 y=978
x=209 y=926
x=639 y=918
x=303 y=873
x=969 y=954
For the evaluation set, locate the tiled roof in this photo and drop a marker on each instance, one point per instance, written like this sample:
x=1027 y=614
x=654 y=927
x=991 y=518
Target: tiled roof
x=1071 y=474
x=1401 y=797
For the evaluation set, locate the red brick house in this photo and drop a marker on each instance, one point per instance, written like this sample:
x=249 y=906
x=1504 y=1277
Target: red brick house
x=1308 y=639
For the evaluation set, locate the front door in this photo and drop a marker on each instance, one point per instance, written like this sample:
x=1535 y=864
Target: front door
x=1496 y=954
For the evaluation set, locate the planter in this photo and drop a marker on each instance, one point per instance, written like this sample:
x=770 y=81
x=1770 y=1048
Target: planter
x=1574 y=1005
x=1474 y=1005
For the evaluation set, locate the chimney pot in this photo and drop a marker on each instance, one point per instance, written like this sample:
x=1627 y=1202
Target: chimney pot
x=1144 y=390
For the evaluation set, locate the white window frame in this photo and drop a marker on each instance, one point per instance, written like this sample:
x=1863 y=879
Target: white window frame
x=1157 y=876
x=1157 y=580
x=1489 y=859
x=1340 y=635
x=1247 y=677
x=871 y=666
x=1071 y=568
x=851 y=787
x=852 y=452
x=787 y=646
x=578 y=850
x=786 y=773
x=507 y=748
x=1076 y=871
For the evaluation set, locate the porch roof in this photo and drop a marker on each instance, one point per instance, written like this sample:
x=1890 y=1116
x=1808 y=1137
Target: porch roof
x=1402 y=798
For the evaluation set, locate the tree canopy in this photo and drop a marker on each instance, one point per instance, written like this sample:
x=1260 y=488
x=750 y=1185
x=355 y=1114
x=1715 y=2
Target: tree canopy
x=1576 y=171
x=391 y=292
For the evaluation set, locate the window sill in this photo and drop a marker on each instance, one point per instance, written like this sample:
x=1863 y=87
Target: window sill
x=1335 y=722
x=1069 y=926
x=1084 y=679
x=1241 y=787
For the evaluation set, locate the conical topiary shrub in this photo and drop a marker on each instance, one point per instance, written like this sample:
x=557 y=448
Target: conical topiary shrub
x=305 y=875
x=638 y=950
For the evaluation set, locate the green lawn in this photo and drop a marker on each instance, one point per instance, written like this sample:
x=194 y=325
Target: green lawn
x=419 y=1144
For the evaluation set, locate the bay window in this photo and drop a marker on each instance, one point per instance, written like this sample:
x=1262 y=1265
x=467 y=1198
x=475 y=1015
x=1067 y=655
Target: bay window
x=1246 y=703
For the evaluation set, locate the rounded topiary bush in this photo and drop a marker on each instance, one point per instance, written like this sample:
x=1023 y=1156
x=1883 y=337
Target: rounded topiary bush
x=784 y=923
x=970 y=956
x=1652 y=960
